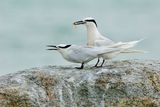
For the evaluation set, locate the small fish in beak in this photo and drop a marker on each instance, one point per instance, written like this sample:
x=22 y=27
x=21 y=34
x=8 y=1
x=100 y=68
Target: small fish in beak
x=79 y=22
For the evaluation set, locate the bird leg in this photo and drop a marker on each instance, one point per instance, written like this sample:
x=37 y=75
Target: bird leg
x=102 y=63
x=81 y=67
x=97 y=63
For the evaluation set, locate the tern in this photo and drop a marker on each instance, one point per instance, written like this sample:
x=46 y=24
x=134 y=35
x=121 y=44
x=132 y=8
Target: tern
x=81 y=54
x=95 y=38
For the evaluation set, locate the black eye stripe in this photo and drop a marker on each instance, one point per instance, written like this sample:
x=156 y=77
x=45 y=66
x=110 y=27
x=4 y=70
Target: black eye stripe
x=64 y=46
x=91 y=20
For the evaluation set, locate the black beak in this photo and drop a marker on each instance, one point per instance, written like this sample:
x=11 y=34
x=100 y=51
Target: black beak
x=79 y=22
x=53 y=47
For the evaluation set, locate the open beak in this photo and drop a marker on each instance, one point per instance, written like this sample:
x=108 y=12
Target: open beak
x=79 y=22
x=52 y=47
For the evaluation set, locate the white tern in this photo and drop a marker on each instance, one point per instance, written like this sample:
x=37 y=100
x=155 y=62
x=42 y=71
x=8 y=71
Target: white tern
x=82 y=54
x=94 y=38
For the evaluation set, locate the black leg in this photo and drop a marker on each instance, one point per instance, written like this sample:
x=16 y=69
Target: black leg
x=81 y=67
x=97 y=63
x=102 y=63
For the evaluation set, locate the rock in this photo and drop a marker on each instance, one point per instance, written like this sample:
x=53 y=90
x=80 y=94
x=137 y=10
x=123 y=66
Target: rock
x=126 y=83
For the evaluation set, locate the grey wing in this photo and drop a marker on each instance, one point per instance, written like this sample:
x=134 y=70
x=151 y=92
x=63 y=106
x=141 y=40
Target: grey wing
x=103 y=42
x=105 y=50
x=82 y=54
x=85 y=51
x=95 y=51
x=92 y=52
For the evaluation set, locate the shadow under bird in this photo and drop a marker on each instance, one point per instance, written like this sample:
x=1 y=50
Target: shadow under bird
x=95 y=38
x=81 y=54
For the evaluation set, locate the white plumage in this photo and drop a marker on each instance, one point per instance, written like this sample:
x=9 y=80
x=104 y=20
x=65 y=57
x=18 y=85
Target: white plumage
x=94 y=38
x=82 y=54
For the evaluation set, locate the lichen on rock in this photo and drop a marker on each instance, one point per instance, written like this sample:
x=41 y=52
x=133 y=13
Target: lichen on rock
x=128 y=83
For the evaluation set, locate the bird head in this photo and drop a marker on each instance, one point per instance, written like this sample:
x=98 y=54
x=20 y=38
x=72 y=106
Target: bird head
x=89 y=21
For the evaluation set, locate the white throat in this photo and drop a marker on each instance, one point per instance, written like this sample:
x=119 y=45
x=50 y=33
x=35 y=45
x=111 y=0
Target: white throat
x=92 y=33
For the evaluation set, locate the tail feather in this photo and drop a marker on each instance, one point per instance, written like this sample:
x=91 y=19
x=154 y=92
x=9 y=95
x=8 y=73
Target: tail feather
x=125 y=45
x=133 y=51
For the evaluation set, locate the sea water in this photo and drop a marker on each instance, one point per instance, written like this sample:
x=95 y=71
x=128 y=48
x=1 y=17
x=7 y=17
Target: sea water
x=27 y=26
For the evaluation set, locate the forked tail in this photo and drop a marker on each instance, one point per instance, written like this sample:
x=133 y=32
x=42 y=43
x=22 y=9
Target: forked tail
x=125 y=45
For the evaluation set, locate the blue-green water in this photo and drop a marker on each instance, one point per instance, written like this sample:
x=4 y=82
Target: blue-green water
x=27 y=26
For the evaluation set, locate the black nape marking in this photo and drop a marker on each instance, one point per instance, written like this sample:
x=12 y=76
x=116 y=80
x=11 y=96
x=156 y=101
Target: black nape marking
x=63 y=47
x=91 y=20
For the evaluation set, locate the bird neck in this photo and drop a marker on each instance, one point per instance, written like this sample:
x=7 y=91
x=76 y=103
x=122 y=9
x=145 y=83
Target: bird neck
x=92 y=33
x=62 y=51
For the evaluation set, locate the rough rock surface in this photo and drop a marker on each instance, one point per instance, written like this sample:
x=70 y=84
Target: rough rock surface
x=125 y=83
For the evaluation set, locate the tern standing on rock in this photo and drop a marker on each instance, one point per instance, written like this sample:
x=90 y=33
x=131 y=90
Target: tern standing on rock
x=94 y=38
x=82 y=54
